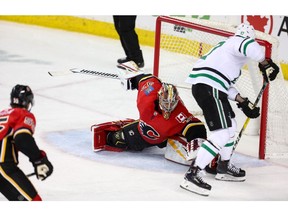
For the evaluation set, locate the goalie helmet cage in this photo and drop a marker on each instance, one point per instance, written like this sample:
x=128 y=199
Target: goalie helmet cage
x=179 y=42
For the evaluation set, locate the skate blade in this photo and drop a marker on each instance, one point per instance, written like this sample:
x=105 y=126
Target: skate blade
x=225 y=177
x=194 y=188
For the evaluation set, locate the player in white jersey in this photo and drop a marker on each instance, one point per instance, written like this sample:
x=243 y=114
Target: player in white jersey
x=212 y=80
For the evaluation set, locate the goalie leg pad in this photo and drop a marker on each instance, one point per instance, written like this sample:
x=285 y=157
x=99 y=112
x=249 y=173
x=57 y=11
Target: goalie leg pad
x=100 y=132
x=180 y=151
x=175 y=152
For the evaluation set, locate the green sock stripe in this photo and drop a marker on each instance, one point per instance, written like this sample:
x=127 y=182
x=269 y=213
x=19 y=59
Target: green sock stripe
x=229 y=144
x=209 y=149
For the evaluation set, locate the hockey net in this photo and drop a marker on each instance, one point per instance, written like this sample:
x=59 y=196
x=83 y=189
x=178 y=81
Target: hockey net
x=179 y=42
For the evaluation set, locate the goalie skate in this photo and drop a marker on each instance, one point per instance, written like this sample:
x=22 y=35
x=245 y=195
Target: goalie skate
x=100 y=132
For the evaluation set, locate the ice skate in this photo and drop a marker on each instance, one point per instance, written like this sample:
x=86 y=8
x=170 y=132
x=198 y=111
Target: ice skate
x=193 y=182
x=229 y=172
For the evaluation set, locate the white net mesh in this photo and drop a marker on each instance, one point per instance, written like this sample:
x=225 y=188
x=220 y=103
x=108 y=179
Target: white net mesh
x=180 y=47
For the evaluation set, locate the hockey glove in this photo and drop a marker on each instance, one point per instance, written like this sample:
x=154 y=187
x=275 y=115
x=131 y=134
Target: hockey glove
x=247 y=107
x=126 y=72
x=269 y=70
x=43 y=168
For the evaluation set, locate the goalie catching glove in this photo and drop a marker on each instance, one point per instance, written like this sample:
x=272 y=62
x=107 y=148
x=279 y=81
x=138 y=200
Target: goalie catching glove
x=43 y=168
x=248 y=109
x=269 y=69
x=126 y=72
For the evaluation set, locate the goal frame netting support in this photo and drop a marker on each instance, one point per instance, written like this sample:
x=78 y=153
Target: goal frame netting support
x=196 y=26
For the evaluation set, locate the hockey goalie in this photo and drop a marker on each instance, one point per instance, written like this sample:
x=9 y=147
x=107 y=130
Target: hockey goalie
x=164 y=121
x=109 y=136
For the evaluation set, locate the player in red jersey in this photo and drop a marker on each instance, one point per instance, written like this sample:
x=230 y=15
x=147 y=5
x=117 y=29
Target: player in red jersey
x=162 y=115
x=17 y=125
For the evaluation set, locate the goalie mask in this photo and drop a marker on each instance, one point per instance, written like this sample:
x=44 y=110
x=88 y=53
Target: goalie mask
x=21 y=96
x=168 y=99
x=245 y=30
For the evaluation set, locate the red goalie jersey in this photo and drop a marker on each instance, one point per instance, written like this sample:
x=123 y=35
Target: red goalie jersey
x=162 y=115
x=153 y=126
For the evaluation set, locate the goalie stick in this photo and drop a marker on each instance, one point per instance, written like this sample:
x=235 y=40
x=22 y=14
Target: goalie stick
x=84 y=71
x=248 y=119
x=95 y=73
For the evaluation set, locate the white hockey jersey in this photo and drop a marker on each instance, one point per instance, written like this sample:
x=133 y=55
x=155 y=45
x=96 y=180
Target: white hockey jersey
x=221 y=66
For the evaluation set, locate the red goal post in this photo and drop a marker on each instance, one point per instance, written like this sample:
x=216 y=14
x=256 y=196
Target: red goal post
x=170 y=34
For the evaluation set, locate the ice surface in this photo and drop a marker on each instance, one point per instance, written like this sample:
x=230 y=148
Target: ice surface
x=67 y=106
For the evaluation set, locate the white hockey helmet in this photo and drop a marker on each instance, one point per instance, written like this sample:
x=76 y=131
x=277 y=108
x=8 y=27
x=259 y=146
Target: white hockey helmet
x=245 y=30
x=168 y=99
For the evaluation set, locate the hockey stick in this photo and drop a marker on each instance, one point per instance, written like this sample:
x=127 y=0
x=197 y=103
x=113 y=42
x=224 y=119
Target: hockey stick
x=31 y=174
x=94 y=73
x=248 y=119
x=84 y=71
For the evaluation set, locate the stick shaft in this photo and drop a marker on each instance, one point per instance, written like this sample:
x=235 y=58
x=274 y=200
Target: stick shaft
x=31 y=174
x=248 y=119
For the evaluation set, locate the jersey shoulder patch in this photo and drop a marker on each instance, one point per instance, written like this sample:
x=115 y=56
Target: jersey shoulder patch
x=22 y=118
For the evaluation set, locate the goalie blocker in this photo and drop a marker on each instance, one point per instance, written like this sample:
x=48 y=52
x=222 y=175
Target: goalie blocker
x=177 y=150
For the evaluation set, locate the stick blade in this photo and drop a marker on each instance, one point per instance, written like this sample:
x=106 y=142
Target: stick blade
x=60 y=73
x=84 y=71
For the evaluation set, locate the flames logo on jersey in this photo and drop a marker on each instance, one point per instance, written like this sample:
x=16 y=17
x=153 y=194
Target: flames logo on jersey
x=148 y=131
